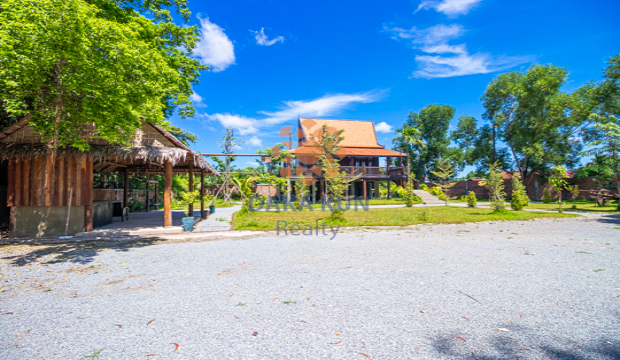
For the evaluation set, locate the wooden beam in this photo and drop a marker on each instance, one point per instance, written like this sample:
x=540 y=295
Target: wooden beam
x=25 y=179
x=125 y=187
x=19 y=183
x=87 y=194
x=364 y=188
x=10 y=191
x=168 y=194
x=190 y=207
x=202 y=191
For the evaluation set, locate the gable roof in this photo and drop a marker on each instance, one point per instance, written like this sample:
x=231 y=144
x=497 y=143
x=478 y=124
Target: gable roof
x=357 y=133
x=152 y=143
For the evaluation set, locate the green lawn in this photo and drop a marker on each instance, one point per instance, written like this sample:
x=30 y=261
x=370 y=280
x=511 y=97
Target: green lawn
x=218 y=204
x=382 y=217
x=582 y=205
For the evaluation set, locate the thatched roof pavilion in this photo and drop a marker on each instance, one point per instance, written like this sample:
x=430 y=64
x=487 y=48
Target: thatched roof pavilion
x=41 y=180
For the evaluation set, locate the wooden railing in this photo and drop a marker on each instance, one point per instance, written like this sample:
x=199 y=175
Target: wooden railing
x=370 y=171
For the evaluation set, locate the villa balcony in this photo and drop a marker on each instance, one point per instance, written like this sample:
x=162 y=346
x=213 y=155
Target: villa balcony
x=374 y=171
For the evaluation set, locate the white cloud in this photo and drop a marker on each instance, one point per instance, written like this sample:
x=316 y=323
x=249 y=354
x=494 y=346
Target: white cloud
x=327 y=105
x=261 y=38
x=449 y=7
x=465 y=64
x=195 y=98
x=383 y=127
x=243 y=124
x=255 y=141
x=459 y=62
x=214 y=48
x=323 y=106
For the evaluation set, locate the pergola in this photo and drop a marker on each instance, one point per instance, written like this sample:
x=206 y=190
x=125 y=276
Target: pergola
x=43 y=182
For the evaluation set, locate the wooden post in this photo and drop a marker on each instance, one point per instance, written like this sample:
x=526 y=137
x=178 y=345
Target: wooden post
x=87 y=195
x=387 y=167
x=155 y=196
x=148 y=185
x=389 y=192
x=125 y=188
x=364 y=188
x=10 y=192
x=190 y=208
x=202 y=191
x=167 y=194
x=400 y=161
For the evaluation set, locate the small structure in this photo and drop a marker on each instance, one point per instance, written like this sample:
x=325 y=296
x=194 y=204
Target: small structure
x=358 y=155
x=49 y=190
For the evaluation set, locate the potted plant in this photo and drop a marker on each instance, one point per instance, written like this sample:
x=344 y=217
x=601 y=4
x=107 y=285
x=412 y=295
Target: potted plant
x=210 y=200
x=189 y=197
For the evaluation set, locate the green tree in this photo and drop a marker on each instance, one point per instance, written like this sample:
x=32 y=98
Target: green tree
x=537 y=121
x=495 y=185
x=479 y=146
x=70 y=63
x=519 y=198
x=546 y=196
x=409 y=192
x=557 y=181
x=444 y=172
x=430 y=140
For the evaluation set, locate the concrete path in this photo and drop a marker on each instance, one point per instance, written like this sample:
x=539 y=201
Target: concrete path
x=218 y=221
x=428 y=198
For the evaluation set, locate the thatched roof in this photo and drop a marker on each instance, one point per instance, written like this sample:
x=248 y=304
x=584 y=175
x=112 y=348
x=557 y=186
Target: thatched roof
x=153 y=145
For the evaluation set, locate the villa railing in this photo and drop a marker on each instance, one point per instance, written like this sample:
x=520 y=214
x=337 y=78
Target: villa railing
x=370 y=171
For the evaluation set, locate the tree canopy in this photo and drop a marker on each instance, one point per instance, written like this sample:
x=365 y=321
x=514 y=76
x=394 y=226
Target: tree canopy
x=112 y=63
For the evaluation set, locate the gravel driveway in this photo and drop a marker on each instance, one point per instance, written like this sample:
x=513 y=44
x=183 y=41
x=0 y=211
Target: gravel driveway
x=544 y=289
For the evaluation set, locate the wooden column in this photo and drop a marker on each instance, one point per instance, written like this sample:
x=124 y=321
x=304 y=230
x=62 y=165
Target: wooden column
x=167 y=194
x=400 y=161
x=190 y=207
x=202 y=191
x=87 y=192
x=125 y=188
x=387 y=166
x=155 y=196
x=147 y=195
x=388 y=186
x=364 y=189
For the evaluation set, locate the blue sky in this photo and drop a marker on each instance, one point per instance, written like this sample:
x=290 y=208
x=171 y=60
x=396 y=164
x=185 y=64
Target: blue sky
x=274 y=60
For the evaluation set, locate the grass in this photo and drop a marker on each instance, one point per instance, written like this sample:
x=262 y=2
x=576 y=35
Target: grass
x=582 y=205
x=261 y=220
x=218 y=204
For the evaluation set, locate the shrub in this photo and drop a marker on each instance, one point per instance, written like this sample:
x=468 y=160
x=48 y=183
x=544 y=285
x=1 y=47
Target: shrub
x=424 y=187
x=471 y=199
x=409 y=194
x=519 y=198
x=546 y=196
x=495 y=185
x=438 y=192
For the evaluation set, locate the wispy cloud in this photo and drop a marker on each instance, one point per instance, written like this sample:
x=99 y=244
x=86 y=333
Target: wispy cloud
x=197 y=100
x=453 y=60
x=431 y=40
x=451 y=8
x=255 y=141
x=327 y=105
x=214 y=47
x=383 y=127
x=261 y=38
x=465 y=64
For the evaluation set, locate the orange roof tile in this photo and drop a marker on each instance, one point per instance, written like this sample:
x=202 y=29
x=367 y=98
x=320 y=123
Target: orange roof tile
x=349 y=151
x=357 y=133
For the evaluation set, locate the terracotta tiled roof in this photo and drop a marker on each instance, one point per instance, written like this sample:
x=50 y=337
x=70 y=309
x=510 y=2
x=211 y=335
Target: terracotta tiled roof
x=357 y=133
x=349 y=151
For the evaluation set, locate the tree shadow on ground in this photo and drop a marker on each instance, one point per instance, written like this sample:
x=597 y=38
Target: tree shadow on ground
x=521 y=343
x=613 y=219
x=79 y=252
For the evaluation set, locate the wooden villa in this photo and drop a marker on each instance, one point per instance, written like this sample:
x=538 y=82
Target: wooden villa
x=41 y=183
x=359 y=154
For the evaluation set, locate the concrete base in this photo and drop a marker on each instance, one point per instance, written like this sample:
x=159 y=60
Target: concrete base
x=46 y=221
